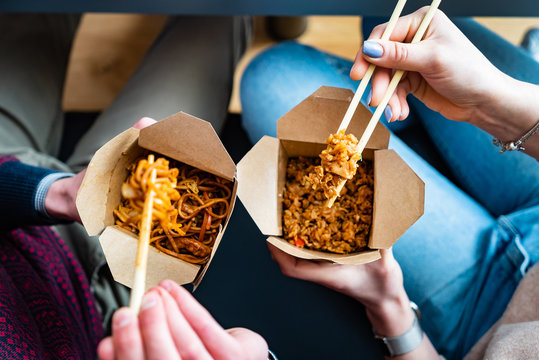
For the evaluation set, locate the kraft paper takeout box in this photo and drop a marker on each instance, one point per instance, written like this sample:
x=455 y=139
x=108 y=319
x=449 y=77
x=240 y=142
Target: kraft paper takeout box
x=398 y=192
x=181 y=137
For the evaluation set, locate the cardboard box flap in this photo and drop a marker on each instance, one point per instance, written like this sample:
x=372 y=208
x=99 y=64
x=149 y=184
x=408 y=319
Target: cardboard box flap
x=94 y=202
x=320 y=115
x=120 y=249
x=258 y=187
x=360 y=258
x=190 y=140
x=399 y=199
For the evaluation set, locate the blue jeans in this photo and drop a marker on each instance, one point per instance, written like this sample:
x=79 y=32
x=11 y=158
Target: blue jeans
x=463 y=259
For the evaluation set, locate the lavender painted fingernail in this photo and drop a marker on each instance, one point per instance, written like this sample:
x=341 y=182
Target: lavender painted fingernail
x=372 y=49
x=388 y=113
x=369 y=98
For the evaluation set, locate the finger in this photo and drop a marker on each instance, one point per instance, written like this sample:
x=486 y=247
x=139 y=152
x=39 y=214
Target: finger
x=252 y=343
x=387 y=259
x=105 y=349
x=321 y=272
x=187 y=341
x=156 y=337
x=404 y=30
x=217 y=341
x=393 y=108
x=395 y=55
x=369 y=49
x=379 y=85
x=126 y=339
x=142 y=123
x=360 y=66
x=405 y=108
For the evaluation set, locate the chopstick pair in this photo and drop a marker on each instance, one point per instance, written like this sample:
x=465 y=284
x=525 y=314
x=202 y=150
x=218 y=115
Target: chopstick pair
x=390 y=89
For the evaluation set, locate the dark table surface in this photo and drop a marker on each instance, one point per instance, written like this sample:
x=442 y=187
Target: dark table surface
x=273 y=7
x=244 y=287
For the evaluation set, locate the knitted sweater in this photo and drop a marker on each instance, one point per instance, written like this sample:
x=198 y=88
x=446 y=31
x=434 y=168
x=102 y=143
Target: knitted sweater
x=46 y=308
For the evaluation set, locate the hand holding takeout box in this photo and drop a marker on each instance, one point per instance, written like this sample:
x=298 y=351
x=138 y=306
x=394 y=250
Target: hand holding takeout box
x=180 y=137
x=398 y=192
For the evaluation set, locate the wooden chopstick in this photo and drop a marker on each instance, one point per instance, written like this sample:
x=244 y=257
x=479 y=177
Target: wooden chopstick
x=139 y=282
x=389 y=92
x=370 y=70
x=395 y=80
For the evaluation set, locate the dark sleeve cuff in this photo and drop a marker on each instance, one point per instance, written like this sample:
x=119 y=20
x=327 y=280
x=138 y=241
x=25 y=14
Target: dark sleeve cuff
x=18 y=188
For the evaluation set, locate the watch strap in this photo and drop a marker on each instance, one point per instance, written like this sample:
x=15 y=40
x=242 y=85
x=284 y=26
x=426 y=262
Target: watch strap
x=404 y=343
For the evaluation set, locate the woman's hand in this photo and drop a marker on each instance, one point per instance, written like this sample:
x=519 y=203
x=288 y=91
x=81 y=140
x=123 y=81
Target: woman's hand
x=450 y=75
x=173 y=325
x=61 y=196
x=377 y=285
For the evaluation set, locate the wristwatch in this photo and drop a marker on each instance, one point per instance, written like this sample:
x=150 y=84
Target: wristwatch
x=402 y=344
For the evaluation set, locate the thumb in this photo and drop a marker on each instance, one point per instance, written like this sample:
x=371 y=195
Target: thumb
x=396 y=55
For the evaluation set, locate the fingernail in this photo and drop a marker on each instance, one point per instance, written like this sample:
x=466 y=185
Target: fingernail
x=372 y=49
x=122 y=318
x=388 y=113
x=149 y=301
x=166 y=285
x=369 y=98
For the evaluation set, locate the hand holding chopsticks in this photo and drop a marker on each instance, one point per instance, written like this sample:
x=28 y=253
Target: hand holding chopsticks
x=389 y=92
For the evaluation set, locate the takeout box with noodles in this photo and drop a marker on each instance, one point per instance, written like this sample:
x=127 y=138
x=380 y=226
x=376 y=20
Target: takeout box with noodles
x=398 y=194
x=180 y=137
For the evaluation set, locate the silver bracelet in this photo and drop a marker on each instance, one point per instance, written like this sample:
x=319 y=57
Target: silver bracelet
x=516 y=145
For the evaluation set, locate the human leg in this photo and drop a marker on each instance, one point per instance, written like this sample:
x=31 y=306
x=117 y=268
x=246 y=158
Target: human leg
x=460 y=264
x=189 y=68
x=295 y=71
x=446 y=256
x=35 y=52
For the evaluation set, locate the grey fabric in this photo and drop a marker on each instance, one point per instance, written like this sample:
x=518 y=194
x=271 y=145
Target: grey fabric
x=189 y=68
x=34 y=52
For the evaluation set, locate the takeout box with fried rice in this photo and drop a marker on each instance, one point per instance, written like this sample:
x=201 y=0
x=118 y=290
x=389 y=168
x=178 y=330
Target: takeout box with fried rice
x=194 y=209
x=375 y=208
